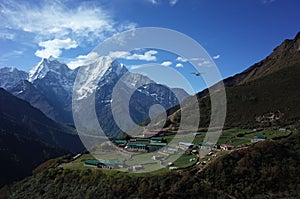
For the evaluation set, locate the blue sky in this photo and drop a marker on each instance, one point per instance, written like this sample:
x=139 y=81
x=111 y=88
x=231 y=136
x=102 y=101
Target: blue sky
x=237 y=33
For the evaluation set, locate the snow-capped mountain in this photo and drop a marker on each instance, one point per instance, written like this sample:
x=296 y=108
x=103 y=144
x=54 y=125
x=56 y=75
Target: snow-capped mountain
x=52 y=83
x=58 y=73
x=96 y=75
x=9 y=76
x=142 y=92
x=50 y=88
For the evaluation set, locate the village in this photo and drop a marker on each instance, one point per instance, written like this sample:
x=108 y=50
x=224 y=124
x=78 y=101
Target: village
x=151 y=151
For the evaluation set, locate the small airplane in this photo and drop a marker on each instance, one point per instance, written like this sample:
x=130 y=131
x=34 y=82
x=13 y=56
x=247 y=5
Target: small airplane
x=197 y=73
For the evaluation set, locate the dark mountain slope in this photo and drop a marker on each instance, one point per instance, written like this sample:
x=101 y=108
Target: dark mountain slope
x=21 y=151
x=273 y=100
x=28 y=138
x=47 y=130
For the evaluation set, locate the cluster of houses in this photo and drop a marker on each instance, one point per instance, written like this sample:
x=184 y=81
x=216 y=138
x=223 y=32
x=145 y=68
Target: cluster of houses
x=154 y=140
x=151 y=144
x=142 y=144
x=148 y=142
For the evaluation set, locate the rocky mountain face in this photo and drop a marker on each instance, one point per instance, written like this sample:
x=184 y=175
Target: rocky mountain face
x=49 y=87
x=10 y=76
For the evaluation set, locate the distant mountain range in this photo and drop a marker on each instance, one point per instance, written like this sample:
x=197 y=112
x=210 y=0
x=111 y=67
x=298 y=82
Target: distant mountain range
x=49 y=85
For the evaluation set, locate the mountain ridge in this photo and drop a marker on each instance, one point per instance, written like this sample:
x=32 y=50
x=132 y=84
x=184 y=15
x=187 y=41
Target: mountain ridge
x=284 y=55
x=52 y=90
x=254 y=96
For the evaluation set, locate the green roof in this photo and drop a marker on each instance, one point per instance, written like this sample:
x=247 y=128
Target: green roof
x=158 y=144
x=92 y=162
x=260 y=137
x=137 y=145
x=120 y=141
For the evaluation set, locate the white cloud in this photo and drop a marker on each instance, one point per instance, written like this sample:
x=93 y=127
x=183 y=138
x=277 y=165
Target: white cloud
x=153 y=1
x=84 y=22
x=173 y=2
x=6 y=36
x=54 y=18
x=119 y=54
x=166 y=63
x=147 y=56
x=54 y=47
x=267 y=1
x=196 y=59
x=204 y=63
x=216 y=56
x=181 y=59
x=83 y=60
x=179 y=65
